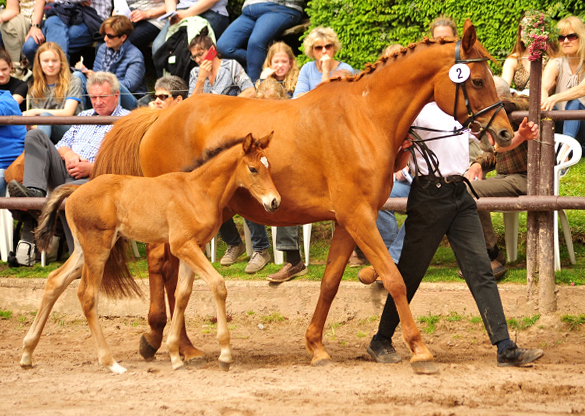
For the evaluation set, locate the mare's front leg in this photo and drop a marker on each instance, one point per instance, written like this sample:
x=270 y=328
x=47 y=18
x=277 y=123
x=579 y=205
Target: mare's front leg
x=57 y=282
x=341 y=247
x=88 y=297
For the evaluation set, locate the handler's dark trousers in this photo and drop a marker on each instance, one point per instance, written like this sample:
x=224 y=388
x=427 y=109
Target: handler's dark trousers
x=435 y=209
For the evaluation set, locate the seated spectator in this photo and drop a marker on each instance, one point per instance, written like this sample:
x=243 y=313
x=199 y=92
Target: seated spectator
x=143 y=15
x=16 y=87
x=280 y=65
x=168 y=91
x=247 y=38
x=11 y=137
x=70 y=24
x=54 y=91
x=119 y=57
x=565 y=76
x=216 y=76
x=47 y=166
x=321 y=45
x=443 y=27
x=214 y=11
x=20 y=21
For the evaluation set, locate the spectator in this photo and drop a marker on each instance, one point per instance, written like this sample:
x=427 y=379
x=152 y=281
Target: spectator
x=20 y=21
x=47 y=166
x=11 y=137
x=442 y=27
x=214 y=11
x=321 y=45
x=565 y=76
x=143 y=15
x=119 y=57
x=247 y=38
x=454 y=214
x=54 y=91
x=71 y=24
x=280 y=65
x=17 y=88
x=216 y=76
x=168 y=91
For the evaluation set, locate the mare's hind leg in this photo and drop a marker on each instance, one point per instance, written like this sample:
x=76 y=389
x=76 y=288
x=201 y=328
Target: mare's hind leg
x=88 y=297
x=195 y=261
x=57 y=282
x=341 y=247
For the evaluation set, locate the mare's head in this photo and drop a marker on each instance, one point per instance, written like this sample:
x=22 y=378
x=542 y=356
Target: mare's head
x=253 y=172
x=467 y=89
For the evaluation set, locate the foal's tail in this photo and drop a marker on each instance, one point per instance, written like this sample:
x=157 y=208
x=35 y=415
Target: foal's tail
x=48 y=219
x=119 y=152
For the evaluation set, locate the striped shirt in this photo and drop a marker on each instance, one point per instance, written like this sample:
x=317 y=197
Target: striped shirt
x=86 y=139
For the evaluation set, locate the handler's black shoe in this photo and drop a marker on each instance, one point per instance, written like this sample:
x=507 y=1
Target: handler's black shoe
x=383 y=352
x=516 y=357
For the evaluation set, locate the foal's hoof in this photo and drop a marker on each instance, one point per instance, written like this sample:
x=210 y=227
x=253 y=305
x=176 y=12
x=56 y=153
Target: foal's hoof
x=26 y=366
x=146 y=350
x=424 y=367
x=196 y=362
x=322 y=362
x=224 y=366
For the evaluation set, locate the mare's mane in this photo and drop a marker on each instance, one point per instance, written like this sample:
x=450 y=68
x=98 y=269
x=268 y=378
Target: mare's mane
x=210 y=153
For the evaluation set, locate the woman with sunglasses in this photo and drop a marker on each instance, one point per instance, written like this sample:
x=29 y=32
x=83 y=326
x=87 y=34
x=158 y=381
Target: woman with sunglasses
x=321 y=45
x=565 y=76
x=119 y=57
x=168 y=92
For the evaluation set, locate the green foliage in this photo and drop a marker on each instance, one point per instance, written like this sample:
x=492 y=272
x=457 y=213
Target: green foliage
x=366 y=27
x=574 y=322
x=523 y=323
x=429 y=322
x=273 y=317
x=5 y=314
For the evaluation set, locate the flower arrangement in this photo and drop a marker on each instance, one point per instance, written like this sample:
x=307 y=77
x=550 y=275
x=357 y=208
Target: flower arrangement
x=537 y=31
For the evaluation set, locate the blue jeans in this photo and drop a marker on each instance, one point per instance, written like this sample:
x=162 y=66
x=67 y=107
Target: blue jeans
x=54 y=132
x=144 y=33
x=387 y=225
x=69 y=38
x=127 y=100
x=575 y=128
x=287 y=238
x=229 y=233
x=2 y=183
x=248 y=37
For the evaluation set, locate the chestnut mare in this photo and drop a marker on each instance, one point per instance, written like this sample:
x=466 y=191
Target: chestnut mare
x=181 y=209
x=333 y=156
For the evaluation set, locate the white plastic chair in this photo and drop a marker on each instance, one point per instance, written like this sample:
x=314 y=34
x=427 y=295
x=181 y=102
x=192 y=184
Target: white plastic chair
x=6 y=230
x=568 y=153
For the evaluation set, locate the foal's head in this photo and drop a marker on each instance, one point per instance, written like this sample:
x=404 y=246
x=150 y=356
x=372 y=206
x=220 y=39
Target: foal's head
x=253 y=172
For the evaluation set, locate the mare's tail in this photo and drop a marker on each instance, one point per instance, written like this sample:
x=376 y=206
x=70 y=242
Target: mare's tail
x=119 y=152
x=48 y=219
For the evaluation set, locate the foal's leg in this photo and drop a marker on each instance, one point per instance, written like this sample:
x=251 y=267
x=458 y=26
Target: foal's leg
x=57 y=282
x=341 y=247
x=88 y=297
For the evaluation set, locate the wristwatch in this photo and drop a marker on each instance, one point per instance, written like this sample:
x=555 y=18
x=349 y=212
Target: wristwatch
x=36 y=25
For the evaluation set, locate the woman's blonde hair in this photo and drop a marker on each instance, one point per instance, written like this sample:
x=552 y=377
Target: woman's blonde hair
x=290 y=80
x=40 y=89
x=320 y=33
x=270 y=89
x=572 y=24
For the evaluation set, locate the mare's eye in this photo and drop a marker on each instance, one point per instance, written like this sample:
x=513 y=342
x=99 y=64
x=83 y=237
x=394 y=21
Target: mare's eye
x=477 y=82
x=252 y=169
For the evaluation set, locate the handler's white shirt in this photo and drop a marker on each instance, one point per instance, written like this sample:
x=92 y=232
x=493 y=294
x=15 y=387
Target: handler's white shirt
x=452 y=152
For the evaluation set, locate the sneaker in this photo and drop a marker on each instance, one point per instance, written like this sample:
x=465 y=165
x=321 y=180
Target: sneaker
x=18 y=190
x=516 y=357
x=231 y=254
x=357 y=259
x=383 y=352
x=288 y=272
x=258 y=260
x=368 y=275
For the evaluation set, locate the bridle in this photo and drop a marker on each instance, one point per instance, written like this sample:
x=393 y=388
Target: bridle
x=471 y=116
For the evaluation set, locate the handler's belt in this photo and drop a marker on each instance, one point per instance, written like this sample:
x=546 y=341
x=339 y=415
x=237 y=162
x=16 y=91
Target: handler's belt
x=448 y=179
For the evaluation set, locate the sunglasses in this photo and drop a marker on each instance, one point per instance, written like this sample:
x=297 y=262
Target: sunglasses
x=319 y=48
x=162 y=97
x=571 y=37
x=107 y=35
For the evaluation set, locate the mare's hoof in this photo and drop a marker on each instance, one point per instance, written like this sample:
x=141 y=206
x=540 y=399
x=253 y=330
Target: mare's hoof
x=224 y=366
x=180 y=368
x=424 y=367
x=322 y=362
x=26 y=366
x=146 y=350
x=196 y=362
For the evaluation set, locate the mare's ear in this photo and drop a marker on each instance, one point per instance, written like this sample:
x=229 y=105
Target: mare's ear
x=247 y=144
x=469 y=36
x=264 y=141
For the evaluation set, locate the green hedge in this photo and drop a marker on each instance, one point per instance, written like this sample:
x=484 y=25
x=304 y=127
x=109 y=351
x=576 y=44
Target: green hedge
x=366 y=27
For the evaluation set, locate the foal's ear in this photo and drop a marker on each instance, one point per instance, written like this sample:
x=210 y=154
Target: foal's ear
x=264 y=141
x=469 y=36
x=247 y=144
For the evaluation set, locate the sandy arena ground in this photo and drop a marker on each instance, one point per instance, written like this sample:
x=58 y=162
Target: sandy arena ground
x=271 y=374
